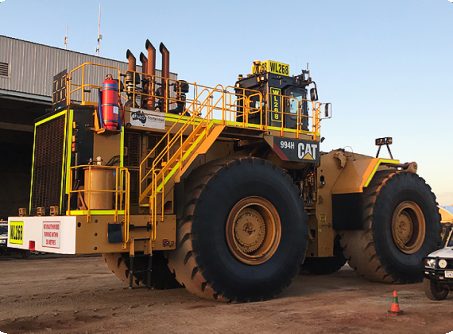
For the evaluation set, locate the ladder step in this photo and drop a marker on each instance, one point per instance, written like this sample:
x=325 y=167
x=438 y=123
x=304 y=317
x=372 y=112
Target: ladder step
x=148 y=270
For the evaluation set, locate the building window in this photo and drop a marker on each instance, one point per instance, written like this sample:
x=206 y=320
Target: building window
x=4 y=67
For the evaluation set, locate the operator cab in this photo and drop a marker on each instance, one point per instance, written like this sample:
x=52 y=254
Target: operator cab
x=285 y=97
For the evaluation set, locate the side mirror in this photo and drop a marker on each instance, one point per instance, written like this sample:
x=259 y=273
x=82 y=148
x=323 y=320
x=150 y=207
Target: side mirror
x=327 y=110
x=314 y=94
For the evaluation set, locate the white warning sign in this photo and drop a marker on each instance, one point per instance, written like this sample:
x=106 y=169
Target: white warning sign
x=51 y=234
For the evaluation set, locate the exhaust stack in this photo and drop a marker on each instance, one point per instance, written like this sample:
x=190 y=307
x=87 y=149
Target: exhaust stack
x=131 y=61
x=151 y=71
x=146 y=78
x=144 y=62
x=165 y=73
x=132 y=79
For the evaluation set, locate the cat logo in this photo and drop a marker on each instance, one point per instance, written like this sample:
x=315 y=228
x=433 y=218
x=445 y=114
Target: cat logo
x=307 y=151
x=295 y=149
x=16 y=233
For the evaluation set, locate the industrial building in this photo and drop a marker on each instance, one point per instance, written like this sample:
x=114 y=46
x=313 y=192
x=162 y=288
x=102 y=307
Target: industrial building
x=26 y=77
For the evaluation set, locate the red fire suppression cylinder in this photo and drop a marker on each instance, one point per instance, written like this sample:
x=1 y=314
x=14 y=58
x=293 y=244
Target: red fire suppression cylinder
x=110 y=109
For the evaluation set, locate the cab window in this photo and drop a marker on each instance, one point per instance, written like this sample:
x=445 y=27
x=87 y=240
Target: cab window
x=295 y=100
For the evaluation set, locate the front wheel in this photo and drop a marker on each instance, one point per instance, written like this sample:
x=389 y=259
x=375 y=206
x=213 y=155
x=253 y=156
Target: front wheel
x=401 y=225
x=435 y=291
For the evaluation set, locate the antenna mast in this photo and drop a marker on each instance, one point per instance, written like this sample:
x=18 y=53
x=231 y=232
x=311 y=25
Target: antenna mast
x=66 y=38
x=98 y=48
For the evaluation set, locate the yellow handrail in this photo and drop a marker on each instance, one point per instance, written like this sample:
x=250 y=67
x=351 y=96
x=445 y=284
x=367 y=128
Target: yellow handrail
x=228 y=112
x=167 y=135
x=120 y=200
x=171 y=139
x=159 y=176
x=81 y=85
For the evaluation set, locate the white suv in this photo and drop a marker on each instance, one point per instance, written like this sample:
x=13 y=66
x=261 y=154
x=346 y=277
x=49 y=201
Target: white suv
x=439 y=268
x=3 y=236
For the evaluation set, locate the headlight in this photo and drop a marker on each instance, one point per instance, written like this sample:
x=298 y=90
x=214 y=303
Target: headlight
x=442 y=263
x=430 y=263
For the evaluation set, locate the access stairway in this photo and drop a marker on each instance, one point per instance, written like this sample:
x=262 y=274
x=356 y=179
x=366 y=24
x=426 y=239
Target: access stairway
x=188 y=138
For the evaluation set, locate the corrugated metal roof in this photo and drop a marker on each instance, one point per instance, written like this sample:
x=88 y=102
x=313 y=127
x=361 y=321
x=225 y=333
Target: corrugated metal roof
x=31 y=66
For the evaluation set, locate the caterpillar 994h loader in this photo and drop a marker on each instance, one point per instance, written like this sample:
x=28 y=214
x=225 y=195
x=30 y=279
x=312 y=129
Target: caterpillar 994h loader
x=223 y=190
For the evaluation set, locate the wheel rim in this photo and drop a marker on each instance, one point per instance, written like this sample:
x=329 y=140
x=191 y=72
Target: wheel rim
x=253 y=230
x=408 y=227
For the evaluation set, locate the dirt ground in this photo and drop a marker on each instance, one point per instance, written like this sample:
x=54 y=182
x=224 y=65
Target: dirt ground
x=80 y=295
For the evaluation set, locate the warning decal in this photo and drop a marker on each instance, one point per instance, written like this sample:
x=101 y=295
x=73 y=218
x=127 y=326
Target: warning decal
x=51 y=234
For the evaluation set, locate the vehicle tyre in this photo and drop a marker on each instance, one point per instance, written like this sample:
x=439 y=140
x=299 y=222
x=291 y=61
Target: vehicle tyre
x=435 y=291
x=243 y=234
x=325 y=265
x=401 y=225
x=161 y=277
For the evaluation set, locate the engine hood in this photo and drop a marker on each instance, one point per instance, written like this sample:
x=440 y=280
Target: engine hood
x=446 y=252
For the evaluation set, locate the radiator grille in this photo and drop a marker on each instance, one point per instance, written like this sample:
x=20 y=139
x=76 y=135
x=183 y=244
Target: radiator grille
x=132 y=161
x=47 y=164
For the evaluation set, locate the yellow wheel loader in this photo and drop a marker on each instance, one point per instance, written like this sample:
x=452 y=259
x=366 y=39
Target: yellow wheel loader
x=223 y=190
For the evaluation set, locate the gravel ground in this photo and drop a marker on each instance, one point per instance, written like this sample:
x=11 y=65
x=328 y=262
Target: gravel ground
x=80 y=295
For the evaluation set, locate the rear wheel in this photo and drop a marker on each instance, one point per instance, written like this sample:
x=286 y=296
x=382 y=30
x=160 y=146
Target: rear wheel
x=435 y=291
x=161 y=277
x=401 y=226
x=243 y=234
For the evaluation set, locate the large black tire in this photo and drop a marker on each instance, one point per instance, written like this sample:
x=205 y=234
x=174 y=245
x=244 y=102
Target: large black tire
x=161 y=277
x=205 y=262
x=401 y=225
x=325 y=265
x=435 y=291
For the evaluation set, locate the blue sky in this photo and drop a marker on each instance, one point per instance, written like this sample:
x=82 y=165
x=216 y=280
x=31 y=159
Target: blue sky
x=385 y=65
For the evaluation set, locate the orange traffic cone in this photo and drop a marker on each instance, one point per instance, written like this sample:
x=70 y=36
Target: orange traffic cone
x=395 y=307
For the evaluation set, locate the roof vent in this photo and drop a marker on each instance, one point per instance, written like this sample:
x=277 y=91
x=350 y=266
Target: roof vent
x=4 y=69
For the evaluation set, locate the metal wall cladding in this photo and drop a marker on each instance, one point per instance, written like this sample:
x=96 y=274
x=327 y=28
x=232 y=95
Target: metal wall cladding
x=31 y=66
